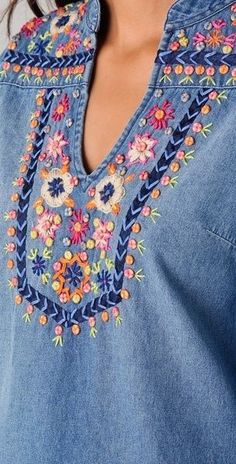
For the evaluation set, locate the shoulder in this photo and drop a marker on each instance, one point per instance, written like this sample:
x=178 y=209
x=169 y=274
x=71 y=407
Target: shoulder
x=57 y=33
x=51 y=49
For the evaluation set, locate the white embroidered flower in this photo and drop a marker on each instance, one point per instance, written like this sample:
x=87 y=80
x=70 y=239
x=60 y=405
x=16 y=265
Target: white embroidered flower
x=57 y=187
x=108 y=192
x=61 y=23
x=141 y=149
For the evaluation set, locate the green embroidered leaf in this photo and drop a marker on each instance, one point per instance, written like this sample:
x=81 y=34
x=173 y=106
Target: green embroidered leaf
x=33 y=253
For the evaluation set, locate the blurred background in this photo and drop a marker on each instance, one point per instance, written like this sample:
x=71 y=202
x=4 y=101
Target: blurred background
x=21 y=15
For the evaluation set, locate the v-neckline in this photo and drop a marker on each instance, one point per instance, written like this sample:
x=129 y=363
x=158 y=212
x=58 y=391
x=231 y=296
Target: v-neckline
x=86 y=178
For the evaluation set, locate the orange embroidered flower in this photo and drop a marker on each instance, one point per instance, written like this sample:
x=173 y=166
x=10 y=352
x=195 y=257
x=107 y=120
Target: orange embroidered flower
x=215 y=38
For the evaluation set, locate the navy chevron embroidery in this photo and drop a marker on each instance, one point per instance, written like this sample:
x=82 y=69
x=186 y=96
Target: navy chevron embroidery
x=107 y=300
x=195 y=58
x=47 y=61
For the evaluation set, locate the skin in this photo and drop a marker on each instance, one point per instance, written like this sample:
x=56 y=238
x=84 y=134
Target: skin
x=127 y=42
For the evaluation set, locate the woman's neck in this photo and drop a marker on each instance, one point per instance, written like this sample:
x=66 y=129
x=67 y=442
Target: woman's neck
x=128 y=22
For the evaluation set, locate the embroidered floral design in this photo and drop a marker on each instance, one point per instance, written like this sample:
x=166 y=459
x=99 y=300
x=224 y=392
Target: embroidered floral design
x=56 y=145
x=159 y=116
x=141 y=149
x=108 y=194
x=47 y=225
x=31 y=26
x=62 y=22
x=72 y=276
x=102 y=235
x=57 y=187
x=79 y=226
x=61 y=109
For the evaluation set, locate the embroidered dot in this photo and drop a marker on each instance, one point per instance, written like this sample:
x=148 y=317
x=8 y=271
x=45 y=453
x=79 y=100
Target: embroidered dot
x=208 y=26
x=29 y=309
x=144 y=175
x=49 y=242
x=18 y=299
x=34 y=234
x=69 y=122
x=76 y=298
x=132 y=244
x=47 y=129
x=76 y=93
x=125 y=295
x=75 y=329
x=224 y=69
x=48 y=163
x=155 y=193
x=227 y=49
x=68 y=212
x=129 y=258
x=136 y=228
x=179 y=69
x=181 y=33
x=66 y=241
x=15 y=197
x=58 y=330
x=146 y=211
x=129 y=273
x=189 y=140
x=206 y=109
x=68 y=255
x=175 y=166
x=39 y=209
x=120 y=158
x=165 y=180
x=142 y=122
x=90 y=244
x=200 y=46
x=185 y=97
x=92 y=321
x=169 y=131
x=122 y=171
x=105 y=316
x=197 y=127
x=10 y=264
x=11 y=231
x=158 y=93
x=43 y=319
x=199 y=70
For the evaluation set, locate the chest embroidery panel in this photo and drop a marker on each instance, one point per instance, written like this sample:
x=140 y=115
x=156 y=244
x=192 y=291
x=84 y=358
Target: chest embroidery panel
x=81 y=248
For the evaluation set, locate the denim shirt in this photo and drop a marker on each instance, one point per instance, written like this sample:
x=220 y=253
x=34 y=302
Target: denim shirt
x=118 y=295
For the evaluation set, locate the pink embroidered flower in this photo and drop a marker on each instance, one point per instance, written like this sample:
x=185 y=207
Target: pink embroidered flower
x=61 y=109
x=79 y=226
x=141 y=149
x=102 y=234
x=160 y=115
x=230 y=40
x=219 y=23
x=198 y=38
x=47 y=225
x=56 y=145
x=31 y=26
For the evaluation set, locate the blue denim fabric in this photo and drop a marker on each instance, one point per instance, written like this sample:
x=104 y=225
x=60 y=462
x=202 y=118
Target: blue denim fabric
x=118 y=295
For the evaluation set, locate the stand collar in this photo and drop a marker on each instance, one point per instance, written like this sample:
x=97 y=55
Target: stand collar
x=182 y=13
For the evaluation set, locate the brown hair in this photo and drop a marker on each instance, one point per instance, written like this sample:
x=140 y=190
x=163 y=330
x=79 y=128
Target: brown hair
x=35 y=7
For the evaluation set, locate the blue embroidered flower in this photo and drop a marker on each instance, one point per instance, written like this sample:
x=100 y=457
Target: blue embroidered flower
x=74 y=274
x=56 y=187
x=104 y=280
x=39 y=265
x=40 y=47
x=63 y=21
x=107 y=192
